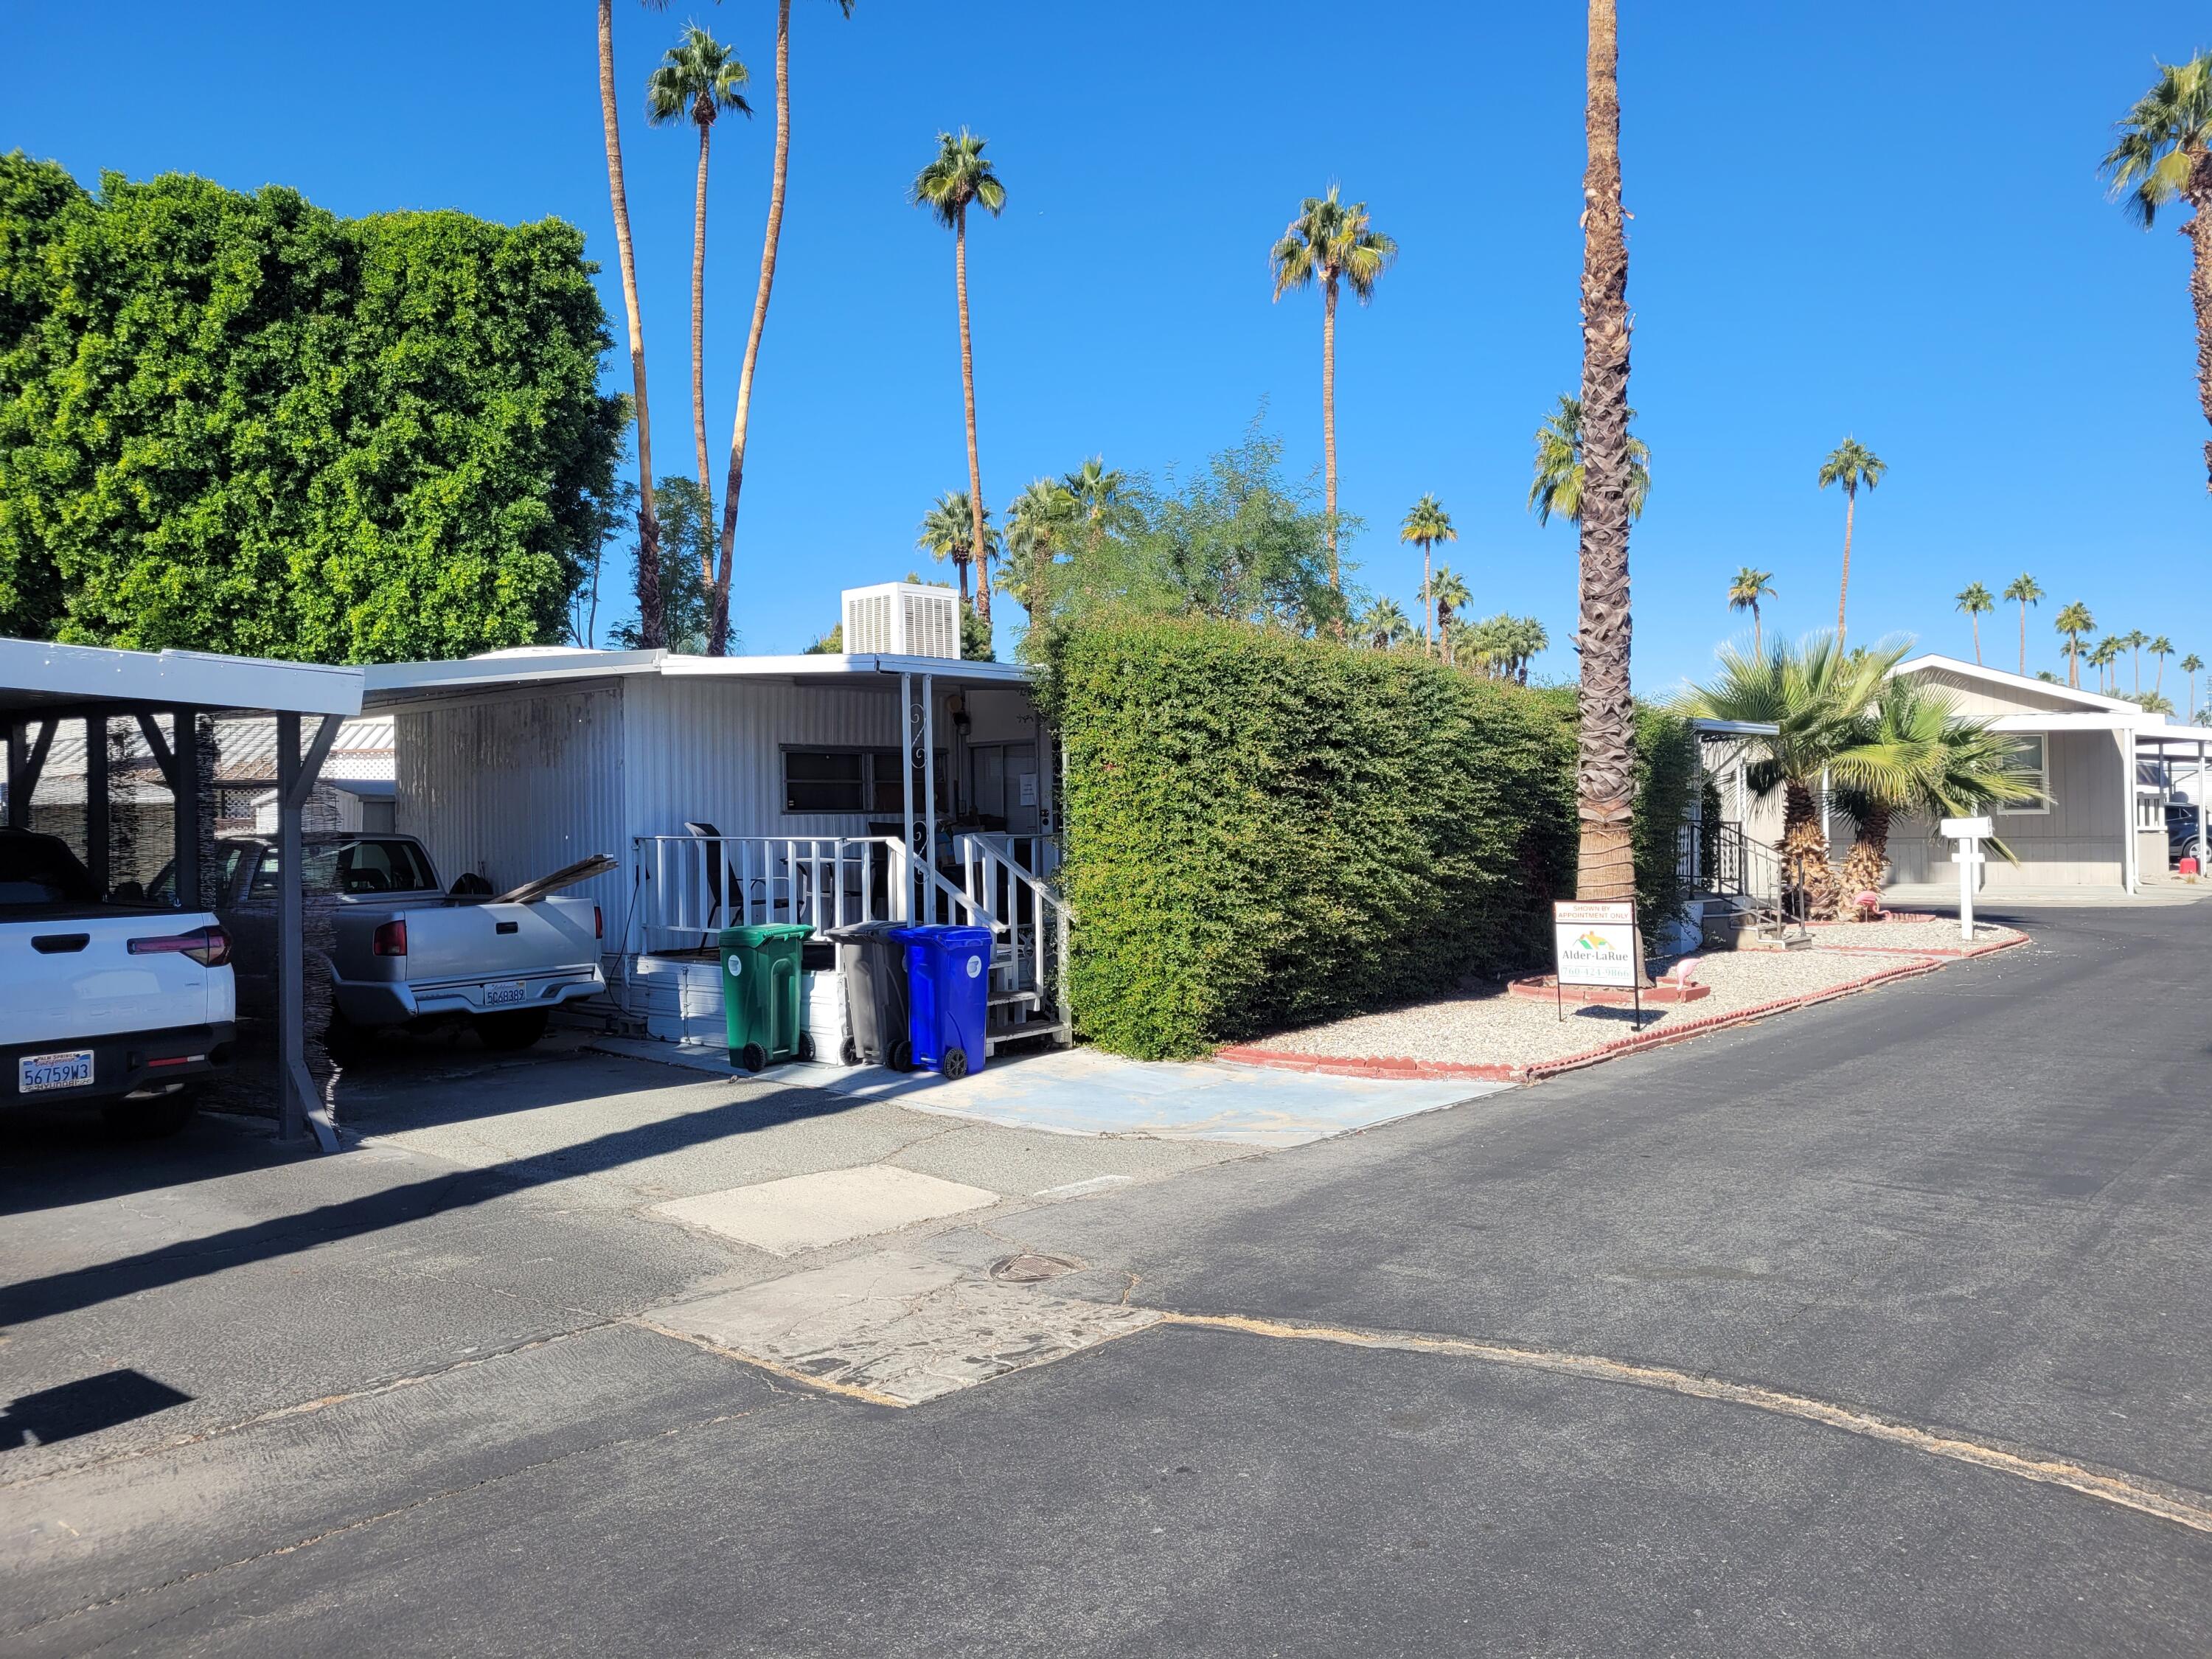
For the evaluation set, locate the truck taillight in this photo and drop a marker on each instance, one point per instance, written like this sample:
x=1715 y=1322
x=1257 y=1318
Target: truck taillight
x=208 y=946
x=389 y=940
x=599 y=923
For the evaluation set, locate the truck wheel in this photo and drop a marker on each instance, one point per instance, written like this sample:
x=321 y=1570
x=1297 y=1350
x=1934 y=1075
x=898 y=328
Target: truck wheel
x=956 y=1064
x=151 y=1120
x=805 y=1046
x=753 y=1057
x=509 y=1032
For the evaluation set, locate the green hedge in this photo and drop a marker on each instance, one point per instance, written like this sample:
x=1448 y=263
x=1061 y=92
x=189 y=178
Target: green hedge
x=1265 y=831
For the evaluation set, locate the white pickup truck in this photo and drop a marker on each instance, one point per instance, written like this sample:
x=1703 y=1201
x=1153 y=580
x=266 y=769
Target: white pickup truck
x=407 y=952
x=127 y=1007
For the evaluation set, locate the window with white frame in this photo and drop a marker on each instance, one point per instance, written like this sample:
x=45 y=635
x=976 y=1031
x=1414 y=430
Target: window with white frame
x=2032 y=753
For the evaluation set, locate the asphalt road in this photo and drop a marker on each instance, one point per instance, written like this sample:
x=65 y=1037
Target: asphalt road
x=1973 y=1207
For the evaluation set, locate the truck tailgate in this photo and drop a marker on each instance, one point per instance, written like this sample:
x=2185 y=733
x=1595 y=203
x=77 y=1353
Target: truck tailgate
x=72 y=974
x=493 y=941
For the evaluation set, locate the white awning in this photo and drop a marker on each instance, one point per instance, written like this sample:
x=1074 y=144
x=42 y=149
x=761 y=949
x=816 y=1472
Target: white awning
x=37 y=677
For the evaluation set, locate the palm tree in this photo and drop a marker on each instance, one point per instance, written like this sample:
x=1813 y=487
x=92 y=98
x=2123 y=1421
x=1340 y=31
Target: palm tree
x=1558 y=485
x=2160 y=647
x=2103 y=655
x=949 y=531
x=1382 y=625
x=1037 y=525
x=1851 y=464
x=1331 y=242
x=2074 y=621
x=734 y=485
x=651 y=627
x=1914 y=753
x=2025 y=590
x=1426 y=524
x=1449 y=596
x=1815 y=694
x=2163 y=155
x=2135 y=639
x=1101 y=498
x=2192 y=664
x=1529 y=639
x=1745 y=590
x=698 y=80
x=1974 y=600
x=956 y=178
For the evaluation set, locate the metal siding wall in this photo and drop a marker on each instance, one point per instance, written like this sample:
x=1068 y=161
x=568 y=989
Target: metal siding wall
x=515 y=785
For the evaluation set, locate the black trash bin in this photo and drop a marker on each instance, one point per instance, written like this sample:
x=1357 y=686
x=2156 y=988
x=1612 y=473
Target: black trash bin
x=876 y=1016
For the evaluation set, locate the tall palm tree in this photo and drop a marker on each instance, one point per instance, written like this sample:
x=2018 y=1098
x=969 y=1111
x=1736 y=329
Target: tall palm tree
x=949 y=531
x=2074 y=621
x=1382 y=625
x=1332 y=243
x=1912 y=752
x=1448 y=593
x=652 y=631
x=1426 y=524
x=1530 y=640
x=734 y=485
x=1038 y=525
x=2135 y=639
x=958 y=177
x=2163 y=155
x=2192 y=664
x=1851 y=464
x=1745 y=590
x=1558 y=484
x=1976 y=601
x=698 y=80
x=2103 y=655
x=2026 y=591
x=1815 y=694
x=1604 y=761
x=2160 y=647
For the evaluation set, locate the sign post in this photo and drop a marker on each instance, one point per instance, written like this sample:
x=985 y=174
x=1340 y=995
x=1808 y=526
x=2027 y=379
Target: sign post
x=1597 y=944
x=1968 y=833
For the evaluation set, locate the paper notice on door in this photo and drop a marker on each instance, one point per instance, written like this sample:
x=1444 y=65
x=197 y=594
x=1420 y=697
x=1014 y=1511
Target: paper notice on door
x=1029 y=788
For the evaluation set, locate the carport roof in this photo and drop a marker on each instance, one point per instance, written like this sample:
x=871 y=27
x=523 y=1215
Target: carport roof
x=391 y=684
x=38 y=677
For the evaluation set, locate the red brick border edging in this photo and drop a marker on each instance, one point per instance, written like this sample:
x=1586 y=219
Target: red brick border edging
x=1926 y=961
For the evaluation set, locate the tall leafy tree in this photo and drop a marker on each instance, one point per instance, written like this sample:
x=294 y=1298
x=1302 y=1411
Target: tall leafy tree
x=700 y=81
x=958 y=177
x=648 y=528
x=2192 y=664
x=1425 y=525
x=1853 y=466
x=1605 y=771
x=687 y=531
x=2024 y=589
x=2162 y=156
x=1976 y=601
x=2074 y=621
x=733 y=486
x=1558 y=484
x=1745 y=589
x=1333 y=244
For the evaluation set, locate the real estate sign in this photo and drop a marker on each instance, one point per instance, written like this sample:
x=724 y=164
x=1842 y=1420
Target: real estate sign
x=1596 y=942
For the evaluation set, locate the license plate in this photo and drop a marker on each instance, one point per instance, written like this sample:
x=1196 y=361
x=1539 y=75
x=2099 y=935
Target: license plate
x=505 y=991
x=36 y=1073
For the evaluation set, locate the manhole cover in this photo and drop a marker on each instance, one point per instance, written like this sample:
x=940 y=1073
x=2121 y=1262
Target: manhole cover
x=1028 y=1269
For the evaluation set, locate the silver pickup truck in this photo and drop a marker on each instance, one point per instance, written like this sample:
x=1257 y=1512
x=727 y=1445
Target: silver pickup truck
x=407 y=951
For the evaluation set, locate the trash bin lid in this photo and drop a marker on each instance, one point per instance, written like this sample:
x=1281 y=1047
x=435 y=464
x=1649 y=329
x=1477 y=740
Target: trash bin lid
x=766 y=932
x=860 y=930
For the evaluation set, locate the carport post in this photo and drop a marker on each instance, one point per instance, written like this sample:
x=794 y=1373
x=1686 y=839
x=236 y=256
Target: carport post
x=906 y=797
x=299 y=1107
x=19 y=815
x=929 y=796
x=185 y=791
x=2201 y=804
x=95 y=802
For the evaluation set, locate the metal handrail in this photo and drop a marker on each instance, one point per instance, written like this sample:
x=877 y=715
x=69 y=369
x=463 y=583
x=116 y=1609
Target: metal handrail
x=694 y=885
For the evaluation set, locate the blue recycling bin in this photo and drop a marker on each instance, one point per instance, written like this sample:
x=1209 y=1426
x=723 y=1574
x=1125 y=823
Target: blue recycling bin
x=948 y=973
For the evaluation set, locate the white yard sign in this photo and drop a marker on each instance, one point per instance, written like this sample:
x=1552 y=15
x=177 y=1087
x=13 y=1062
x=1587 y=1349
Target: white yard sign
x=1596 y=943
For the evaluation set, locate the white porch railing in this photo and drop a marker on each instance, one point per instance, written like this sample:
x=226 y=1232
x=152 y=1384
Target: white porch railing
x=691 y=887
x=1008 y=878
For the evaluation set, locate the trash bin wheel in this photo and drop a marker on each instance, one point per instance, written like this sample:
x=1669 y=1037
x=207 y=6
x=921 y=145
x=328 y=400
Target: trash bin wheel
x=956 y=1063
x=805 y=1046
x=850 y=1053
x=900 y=1056
x=752 y=1057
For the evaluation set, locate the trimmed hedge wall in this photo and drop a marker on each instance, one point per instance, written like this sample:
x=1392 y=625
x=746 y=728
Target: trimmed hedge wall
x=1264 y=830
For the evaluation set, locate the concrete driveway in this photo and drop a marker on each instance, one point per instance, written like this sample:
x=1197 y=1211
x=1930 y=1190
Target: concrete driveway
x=1878 y=1330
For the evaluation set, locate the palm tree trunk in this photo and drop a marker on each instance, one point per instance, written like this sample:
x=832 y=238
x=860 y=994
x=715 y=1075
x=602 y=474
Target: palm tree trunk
x=699 y=359
x=1867 y=865
x=1757 y=649
x=1428 y=602
x=1975 y=618
x=1850 y=505
x=2023 y=639
x=652 y=631
x=2073 y=662
x=1328 y=421
x=719 y=626
x=2200 y=284
x=1804 y=849
x=977 y=552
x=1605 y=784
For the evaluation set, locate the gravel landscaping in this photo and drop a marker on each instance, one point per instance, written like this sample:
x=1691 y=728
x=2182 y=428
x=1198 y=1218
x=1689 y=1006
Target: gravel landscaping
x=1940 y=935
x=1484 y=1026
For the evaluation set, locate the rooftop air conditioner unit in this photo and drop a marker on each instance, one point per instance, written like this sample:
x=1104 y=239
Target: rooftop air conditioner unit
x=902 y=619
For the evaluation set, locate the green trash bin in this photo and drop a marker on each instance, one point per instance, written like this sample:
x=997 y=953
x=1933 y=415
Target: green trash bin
x=761 y=1010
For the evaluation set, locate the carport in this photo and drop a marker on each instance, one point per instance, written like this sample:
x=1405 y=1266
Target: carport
x=44 y=685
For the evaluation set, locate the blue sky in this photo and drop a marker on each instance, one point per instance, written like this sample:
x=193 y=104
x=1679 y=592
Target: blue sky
x=1894 y=230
